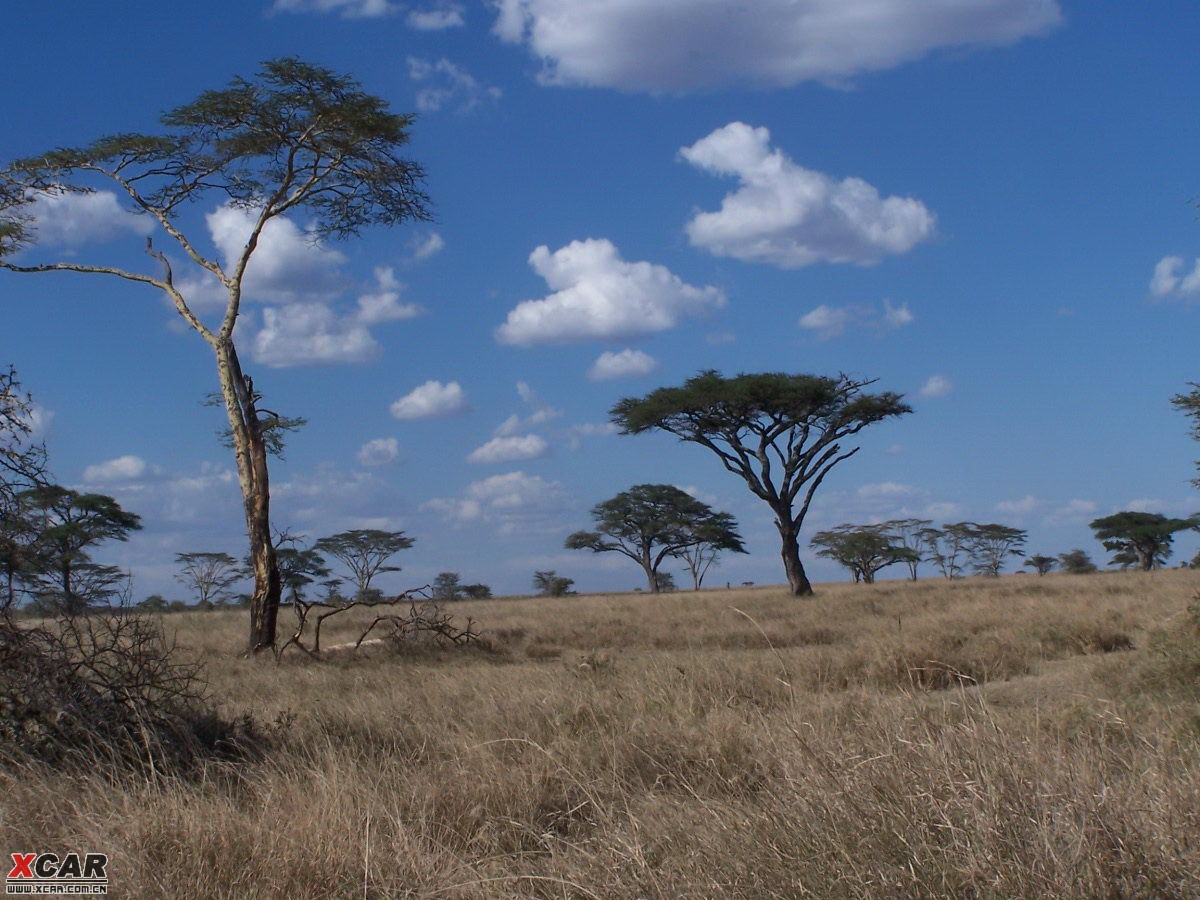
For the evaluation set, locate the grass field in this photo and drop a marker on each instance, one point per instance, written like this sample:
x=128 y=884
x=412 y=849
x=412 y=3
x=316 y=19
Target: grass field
x=1014 y=737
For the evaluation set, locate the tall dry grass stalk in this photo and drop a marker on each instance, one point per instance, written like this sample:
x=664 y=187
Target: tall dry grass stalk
x=1014 y=737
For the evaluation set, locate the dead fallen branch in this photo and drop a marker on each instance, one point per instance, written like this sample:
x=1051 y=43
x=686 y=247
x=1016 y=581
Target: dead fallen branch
x=422 y=617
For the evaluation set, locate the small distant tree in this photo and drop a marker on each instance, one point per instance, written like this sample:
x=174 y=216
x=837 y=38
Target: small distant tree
x=551 y=584
x=154 y=603
x=447 y=586
x=949 y=547
x=713 y=537
x=69 y=524
x=1139 y=540
x=990 y=545
x=649 y=523
x=863 y=549
x=209 y=576
x=908 y=533
x=781 y=434
x=664 y=582
x=476 y=591
x=298 y=568
x=1076 y=562
x=365 y=552
x=1041 y=564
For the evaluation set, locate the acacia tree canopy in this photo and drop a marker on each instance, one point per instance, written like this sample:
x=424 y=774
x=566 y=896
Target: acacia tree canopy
x=863 y=549
x=68 y=524
x=296 y=137
x=1139 y=539
x=650 y=522
x=211 y=576
x=779 y=433
x=365 y=552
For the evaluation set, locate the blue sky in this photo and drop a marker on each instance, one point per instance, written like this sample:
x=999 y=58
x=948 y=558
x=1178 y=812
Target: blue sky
x=985 y=204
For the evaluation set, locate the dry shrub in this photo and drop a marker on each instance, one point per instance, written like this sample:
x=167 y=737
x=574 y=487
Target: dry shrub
x=106 y=687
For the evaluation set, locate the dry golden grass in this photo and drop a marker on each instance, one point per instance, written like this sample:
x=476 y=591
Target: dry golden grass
x=1024 y=736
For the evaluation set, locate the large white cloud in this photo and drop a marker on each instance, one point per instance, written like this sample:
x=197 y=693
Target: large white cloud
x=431 y=400
x=311 y=334
x=679 y=45
x=512 y=448
x=789 y=216
x=288 y=265
x=68 y=220
x=598 y=295
x=628 y=363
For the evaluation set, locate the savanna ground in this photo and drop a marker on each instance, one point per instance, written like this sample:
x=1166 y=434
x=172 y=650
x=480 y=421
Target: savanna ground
x=1012 y=737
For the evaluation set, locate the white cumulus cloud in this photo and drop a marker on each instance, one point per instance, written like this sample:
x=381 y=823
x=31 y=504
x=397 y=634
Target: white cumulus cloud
x=788 y=216
x=383 y=304
x=826 y=321
x=935 y=386
x=431 y=400
x=311 y=334
x=123 y=468
x=1171 y=278
x=598 y=295
x=626 y=364
x=425 y=247
x=68 y=220
x=509 y=449
x=679 y=45
x=379 y=452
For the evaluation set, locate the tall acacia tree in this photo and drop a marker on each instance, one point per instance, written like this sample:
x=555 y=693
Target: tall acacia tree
x=295 y=138
x=779 y=433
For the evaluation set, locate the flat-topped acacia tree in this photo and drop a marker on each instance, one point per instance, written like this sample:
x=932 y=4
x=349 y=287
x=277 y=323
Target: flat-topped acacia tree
x=295 y=138
x=779 y=433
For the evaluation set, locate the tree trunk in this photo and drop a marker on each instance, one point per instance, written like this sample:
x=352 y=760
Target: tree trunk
x=651 y=575
x=250 y=450
x=798 y=582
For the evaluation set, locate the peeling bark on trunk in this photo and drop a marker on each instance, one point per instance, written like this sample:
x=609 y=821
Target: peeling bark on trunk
x=250 y=450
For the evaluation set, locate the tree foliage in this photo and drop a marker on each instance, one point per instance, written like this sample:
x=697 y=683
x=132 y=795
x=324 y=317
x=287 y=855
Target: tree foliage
x=779 y=433
x=650 y=522
x=908 y=533
x=68 y=525
x=1076 y=562
x=1041 y=564
x=1139 y=540
x=210 y=576
x=365 y=552
x=550 y=584
x=294 y=139
x=984 y=548
x=863 y=549
x=448 y=586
